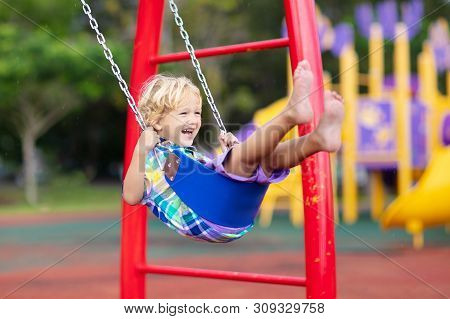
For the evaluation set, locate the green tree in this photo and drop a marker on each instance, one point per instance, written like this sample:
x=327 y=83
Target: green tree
x=43 y=80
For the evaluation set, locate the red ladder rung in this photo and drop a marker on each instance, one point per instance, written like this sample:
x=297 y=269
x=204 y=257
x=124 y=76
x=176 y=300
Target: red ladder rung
x=221 y=274
x=229 y=49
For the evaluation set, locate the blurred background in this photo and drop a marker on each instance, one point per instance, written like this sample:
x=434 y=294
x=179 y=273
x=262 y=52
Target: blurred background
x=62 y=129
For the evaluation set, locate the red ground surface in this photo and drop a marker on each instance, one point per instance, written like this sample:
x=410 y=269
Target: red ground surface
x=94 y=272
x=359 y=276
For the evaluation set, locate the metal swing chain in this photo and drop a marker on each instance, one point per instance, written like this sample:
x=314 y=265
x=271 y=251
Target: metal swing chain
x=196 y=64
x=114 y=67
x=123 y=85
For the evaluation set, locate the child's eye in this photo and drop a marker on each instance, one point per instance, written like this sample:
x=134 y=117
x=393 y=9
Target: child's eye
x=183 y=113
x=198 y=113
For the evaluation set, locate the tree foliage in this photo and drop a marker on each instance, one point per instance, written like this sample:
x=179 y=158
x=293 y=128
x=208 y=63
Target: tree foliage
x=49 y=56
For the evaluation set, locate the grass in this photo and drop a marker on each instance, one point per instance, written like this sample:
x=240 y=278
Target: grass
x=63 y=194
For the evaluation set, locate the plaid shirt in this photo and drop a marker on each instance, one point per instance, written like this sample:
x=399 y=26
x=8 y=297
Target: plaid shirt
x=170 y=209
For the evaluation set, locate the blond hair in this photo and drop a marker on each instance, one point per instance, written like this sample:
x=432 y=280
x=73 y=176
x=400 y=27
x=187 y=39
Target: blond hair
x=162 y=94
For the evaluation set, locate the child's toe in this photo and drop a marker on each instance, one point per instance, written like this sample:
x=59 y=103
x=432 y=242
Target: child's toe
x=304 y=64
x=328 y=95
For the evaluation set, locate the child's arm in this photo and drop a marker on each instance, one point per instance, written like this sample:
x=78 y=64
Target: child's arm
x=133 y=184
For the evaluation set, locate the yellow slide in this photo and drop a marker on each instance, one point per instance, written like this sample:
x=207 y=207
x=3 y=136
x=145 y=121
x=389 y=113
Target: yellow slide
x=427 y=204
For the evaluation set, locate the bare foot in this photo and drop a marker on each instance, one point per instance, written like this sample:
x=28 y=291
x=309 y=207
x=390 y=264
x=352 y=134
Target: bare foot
x=328 y=132
x=299 y=109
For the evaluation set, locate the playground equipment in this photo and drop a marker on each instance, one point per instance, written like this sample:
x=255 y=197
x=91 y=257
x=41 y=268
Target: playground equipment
x=427 y=204
x=377 y=136
x=396 y=126
x=302 y=40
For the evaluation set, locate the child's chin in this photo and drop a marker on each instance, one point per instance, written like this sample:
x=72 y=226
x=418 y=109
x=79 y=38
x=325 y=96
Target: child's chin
x=186 y=142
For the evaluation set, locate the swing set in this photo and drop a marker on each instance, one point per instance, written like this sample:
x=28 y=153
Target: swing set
x=302 y=41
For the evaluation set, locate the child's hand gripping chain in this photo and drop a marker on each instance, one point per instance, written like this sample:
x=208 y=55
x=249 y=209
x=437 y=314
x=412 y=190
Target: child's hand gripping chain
x=227 y=140
x=148 y=140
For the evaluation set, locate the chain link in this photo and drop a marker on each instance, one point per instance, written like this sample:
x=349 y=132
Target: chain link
x=114 y=67
x=185 y=36
x=123 y=85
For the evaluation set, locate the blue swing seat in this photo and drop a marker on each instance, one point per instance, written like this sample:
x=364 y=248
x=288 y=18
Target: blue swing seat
x=214 y=197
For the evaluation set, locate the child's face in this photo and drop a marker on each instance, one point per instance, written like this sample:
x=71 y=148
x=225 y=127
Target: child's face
x=181 y=125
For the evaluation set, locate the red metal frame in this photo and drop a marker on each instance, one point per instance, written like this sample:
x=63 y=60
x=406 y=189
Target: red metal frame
x=303 y=43
x=229 y=49
x=221 y=274
x=134 y=219
x=320 y=257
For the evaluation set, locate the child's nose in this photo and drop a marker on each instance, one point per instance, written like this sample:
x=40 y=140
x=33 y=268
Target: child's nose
x=192 y=119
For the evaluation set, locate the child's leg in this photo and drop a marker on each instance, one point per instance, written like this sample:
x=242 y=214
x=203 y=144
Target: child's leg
x=246 y=157
x=326 y=137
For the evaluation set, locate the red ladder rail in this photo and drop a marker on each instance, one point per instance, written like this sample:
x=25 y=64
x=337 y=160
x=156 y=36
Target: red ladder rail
x=134 y=219
x=229 y=49
x=303 y=43
x=222 y=274
x=320 y=259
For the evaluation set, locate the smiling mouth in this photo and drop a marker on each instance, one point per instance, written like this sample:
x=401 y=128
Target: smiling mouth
x=187 y=132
